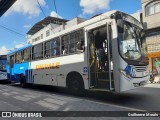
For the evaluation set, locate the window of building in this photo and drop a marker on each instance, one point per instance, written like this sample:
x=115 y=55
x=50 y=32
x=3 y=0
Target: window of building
x=157 y=7
x=47 y=33
x=152 y=8
x=37 y=52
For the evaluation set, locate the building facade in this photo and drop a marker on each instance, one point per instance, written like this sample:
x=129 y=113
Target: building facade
x=50 y=26
x=151 y=23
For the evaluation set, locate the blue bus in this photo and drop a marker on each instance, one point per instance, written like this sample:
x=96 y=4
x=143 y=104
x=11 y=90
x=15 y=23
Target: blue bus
x=3 y=63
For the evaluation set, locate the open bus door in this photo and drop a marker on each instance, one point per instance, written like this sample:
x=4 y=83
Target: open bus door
x=100 y=59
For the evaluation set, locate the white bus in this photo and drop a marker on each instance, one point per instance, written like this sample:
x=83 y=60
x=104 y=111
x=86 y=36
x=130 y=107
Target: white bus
x=106 y=52
x=3 y=63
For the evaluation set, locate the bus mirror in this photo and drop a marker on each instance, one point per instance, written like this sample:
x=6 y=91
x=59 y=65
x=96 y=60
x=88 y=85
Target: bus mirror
x=120 y=26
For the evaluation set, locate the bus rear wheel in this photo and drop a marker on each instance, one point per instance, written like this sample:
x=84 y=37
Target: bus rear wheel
x=76 y=85
x=22 y=80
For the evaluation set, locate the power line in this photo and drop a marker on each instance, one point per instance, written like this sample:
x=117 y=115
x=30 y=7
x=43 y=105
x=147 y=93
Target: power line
x=41 y=9
x=55 y=7
x=43 y=13
x=11 y=31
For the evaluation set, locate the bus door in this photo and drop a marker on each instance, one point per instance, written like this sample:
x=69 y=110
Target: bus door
x=12 y=60
x=100 y=58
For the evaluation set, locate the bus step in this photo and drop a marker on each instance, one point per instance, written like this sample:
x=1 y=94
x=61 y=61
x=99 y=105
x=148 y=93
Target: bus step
x=104 y=75
x=104 y=83
x=101 y=89
x=104 y=80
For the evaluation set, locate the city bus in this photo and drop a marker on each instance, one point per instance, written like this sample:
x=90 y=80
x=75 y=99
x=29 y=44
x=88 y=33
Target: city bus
x=3 y=63
x=74 y=57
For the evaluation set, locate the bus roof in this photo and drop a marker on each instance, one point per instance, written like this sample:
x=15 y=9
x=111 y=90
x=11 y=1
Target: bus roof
x=103 y=16
x=106 y=15
x=19 y=49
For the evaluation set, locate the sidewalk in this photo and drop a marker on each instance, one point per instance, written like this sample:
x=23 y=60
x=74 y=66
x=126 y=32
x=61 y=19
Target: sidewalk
x=153 y=85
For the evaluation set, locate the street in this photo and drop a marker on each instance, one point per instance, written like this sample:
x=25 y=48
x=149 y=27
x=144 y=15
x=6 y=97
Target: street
x=47 y=98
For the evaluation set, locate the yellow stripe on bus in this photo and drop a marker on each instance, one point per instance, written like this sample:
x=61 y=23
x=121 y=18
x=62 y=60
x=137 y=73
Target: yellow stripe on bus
x=48 y=66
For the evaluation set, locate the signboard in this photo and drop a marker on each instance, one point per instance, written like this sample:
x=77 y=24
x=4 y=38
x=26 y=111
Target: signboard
x=3 y=57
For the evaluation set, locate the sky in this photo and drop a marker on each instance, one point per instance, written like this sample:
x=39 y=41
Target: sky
x=19 y=19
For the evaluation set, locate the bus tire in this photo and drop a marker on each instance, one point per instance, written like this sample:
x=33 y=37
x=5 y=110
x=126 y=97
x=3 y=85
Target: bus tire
x=22 y=80
x=75 y=84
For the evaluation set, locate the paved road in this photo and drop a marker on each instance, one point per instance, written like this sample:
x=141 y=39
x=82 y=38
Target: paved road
x=45 y=98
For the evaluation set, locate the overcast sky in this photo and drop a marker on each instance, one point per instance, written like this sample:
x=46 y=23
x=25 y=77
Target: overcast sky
x=25 y=13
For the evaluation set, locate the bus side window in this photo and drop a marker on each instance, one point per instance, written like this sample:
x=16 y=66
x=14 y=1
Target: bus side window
x=47 y=49
x=80 y=41
x=65 y=42
x=27 y=54
x=64 y=50
x=37 y=51
x=18 y=57
x=73 y=43
x=55 y=47
x=11 y=61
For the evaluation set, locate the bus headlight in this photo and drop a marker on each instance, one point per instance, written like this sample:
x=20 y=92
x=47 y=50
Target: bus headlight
x=125 y=73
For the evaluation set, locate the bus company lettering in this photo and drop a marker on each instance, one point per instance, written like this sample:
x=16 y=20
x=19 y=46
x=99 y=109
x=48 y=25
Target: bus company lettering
x=48 y=66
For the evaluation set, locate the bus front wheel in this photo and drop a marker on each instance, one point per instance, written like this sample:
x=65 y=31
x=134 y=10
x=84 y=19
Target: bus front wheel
x=76 y=85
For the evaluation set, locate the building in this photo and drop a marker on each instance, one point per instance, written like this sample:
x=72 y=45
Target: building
x=49 y=26
x=44 y=28
x=151 y=23
x=138 y=16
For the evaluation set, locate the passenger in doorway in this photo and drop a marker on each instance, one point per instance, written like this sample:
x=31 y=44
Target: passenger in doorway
x=99 y=40
x=64 y=52
x=157 y=65
x=80 y=46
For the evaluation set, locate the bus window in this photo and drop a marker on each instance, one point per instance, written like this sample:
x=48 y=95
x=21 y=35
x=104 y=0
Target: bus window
x=80 y=46
x=55 y=47
x=27 y=54
x=11 y=61
x=64 y=50
x=47 y=51
x=73 y=42
x=37 y=52
x=79 y=38
x=19 y=56
x=65 y=44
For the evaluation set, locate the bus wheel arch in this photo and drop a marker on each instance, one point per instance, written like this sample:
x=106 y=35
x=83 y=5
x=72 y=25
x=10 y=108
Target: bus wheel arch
x=75 y=83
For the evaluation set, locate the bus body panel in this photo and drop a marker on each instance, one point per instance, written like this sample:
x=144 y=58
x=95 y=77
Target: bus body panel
x=18 y=69
x=54 y=71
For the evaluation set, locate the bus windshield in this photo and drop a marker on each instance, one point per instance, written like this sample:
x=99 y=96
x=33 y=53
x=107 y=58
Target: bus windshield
x=3 y=65
x=131 y=43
